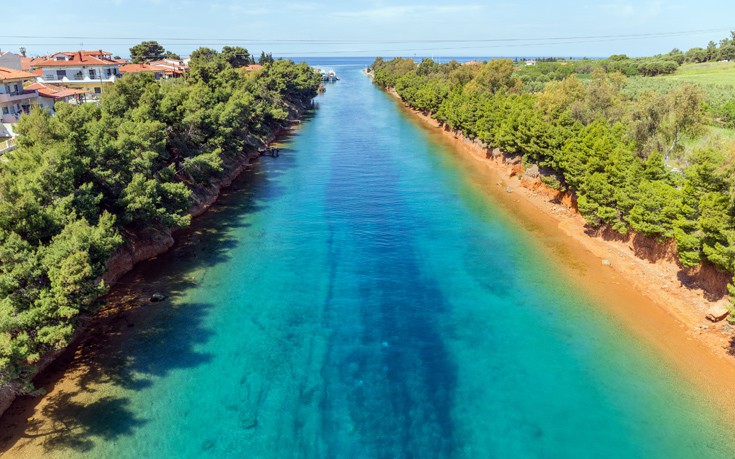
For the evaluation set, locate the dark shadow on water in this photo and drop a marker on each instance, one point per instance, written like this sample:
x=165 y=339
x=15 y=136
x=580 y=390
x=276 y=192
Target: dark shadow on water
x=91 y=383
x=396 y=377
x=75 y=425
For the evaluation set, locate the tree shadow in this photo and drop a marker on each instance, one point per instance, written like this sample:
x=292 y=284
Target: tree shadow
x=73 y=425
x=90 y=386
x=87 y=384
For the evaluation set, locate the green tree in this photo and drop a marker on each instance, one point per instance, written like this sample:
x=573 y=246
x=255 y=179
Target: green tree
x=265 y=58
x=146 y=51
x=236 y=56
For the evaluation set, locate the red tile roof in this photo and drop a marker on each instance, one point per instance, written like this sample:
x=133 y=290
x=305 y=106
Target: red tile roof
x=250 y=68
x=13 y=74
x=140 y=68
x=53 y=91
x=152 y=68
x=78 y=58
x=28 y=63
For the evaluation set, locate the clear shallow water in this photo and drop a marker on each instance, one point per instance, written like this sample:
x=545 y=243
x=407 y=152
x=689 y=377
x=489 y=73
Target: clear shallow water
x=356 y=298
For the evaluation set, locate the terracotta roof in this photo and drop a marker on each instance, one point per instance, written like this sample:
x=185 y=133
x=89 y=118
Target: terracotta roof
x=178 y=65
x=12 y=74
x=250 y=68
x=78 y=58
x=97 y=52
x=37 y=72
x=28 y=63
x=53 y=91
x=140 y=68
x=151 y=68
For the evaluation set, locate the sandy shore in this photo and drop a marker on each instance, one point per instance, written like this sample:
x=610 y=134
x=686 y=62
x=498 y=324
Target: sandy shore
x=650 y=298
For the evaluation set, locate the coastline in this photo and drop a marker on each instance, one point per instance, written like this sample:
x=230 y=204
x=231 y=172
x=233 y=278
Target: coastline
x=145 y=246
x=636 y=279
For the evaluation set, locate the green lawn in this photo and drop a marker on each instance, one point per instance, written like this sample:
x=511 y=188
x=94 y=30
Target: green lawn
x=722 y=73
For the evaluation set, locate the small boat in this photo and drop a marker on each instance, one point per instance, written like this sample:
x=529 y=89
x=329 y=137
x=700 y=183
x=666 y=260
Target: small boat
x=329 y=76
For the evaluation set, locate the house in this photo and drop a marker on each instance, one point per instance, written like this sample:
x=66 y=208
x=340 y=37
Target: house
x=159 y=69
x=530 y=62
x=49 y=94
x=14 y=99
x=89 y=71
x=28 y=64
x=173 y=68
x=156 y=71
x=10 y=60
x=253 y=67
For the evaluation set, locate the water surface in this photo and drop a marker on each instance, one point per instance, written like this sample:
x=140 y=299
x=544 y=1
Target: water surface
x=355 y=297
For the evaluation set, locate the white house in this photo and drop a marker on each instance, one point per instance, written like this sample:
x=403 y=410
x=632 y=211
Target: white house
x=49 y=94
x=85 y=70
x=14 y=100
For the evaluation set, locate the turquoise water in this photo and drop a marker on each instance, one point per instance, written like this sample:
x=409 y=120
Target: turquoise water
x=356 y=298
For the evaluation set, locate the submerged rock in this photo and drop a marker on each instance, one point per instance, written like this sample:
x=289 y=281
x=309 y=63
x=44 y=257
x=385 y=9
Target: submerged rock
x=157 y=297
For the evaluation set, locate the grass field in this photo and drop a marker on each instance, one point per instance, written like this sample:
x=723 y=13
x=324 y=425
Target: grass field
x=721 y=73
x=710 y=135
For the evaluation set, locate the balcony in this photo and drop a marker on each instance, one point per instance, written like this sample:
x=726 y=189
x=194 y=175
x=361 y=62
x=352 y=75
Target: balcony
x=7 y=145
x=17 y=95
x=11 y=118
x=76 y=78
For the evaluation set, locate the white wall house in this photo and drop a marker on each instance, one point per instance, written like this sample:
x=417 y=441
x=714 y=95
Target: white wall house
x=14 y=100
x=86 y=70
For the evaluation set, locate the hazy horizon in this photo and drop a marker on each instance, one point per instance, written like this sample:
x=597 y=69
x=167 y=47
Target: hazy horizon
x=366 y=28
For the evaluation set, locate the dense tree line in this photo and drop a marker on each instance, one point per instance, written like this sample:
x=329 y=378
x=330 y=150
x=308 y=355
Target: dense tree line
x=556 y=69
x=724 y=51
x=86 y=178
x=590 y=138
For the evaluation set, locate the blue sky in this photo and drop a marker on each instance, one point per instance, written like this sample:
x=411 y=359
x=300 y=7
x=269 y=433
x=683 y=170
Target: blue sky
x=367 y=27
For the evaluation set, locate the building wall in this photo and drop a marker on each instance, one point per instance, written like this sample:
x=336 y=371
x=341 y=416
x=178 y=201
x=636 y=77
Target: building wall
x=9 y=87
x=13 y=102
x=10 y=60
x=10 y=111
x=52 y=74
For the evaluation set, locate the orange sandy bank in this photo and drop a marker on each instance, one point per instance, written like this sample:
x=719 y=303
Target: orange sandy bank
x=651 y=296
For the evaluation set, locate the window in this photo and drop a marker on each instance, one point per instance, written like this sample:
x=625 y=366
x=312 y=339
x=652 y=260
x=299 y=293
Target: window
x=6 y=111
x=92 y=74
x=97 y=90
x=60 y=74
x=60 y=58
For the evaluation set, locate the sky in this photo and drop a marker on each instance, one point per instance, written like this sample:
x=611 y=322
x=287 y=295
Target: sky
x=576 y=28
